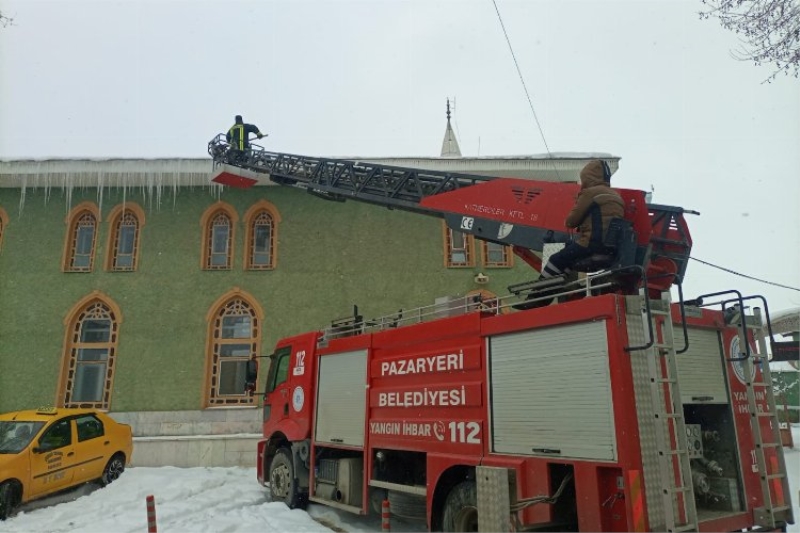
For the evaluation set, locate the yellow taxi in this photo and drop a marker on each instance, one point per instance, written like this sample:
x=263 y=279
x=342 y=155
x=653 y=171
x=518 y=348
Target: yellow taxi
x=48 y=450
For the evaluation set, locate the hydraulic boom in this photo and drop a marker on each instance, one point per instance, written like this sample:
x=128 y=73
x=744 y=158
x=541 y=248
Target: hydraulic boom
x=524 y=214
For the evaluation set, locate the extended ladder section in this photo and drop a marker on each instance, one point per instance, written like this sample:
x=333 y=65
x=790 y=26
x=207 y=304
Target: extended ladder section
x=338 y=179
x=674 y=463
x=771 y=466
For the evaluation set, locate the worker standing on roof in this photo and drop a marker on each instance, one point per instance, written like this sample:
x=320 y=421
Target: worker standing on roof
x=238 y=135
x=596 y=205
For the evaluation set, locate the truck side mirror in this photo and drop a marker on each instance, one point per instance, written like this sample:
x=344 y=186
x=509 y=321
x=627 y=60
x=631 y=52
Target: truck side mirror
x=250 y=376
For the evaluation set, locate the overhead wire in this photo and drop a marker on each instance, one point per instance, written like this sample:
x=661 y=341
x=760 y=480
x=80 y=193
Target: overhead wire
x=524 y=86
x=547 y=147
x=745 y=275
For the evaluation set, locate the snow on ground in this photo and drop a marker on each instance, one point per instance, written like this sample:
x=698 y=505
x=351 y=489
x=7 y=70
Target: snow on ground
x=218 y=500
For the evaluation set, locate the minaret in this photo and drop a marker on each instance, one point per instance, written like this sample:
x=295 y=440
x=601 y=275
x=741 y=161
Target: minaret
x=450 y=144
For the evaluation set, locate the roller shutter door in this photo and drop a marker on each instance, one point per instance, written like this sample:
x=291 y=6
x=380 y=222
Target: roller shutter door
x=551 y=392
x=700 y=371
x=341 y=400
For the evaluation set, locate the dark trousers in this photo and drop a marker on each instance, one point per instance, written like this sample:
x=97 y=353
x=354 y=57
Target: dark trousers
x=562 y=261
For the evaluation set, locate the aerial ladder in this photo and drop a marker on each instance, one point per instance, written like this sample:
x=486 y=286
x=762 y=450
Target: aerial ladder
x=651 y=243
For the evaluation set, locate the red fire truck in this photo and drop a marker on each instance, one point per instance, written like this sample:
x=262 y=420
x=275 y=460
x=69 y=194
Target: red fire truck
x=613 y=409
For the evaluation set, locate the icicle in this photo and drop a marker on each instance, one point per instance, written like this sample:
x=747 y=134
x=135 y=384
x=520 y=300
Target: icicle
x=22 y=194
x=100 y=195
x=47 y=188
x=69 y=184
x=175 y=179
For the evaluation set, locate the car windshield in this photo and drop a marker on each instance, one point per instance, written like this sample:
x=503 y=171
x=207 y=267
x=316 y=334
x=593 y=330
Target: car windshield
x=15 y=435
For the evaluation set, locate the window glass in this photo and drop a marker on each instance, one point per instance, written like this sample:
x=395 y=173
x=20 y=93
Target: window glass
x=232 y=377
x=125 y=246
x=236 y=327
x=57 y=436
x=261 y=248
x=95 y=330
x=89 y=383
x=15 y=435
x=89 y=427
x=281 y=368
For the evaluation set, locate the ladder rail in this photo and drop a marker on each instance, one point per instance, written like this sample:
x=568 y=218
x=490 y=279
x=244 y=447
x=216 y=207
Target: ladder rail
x=766 y=475
x=673 y=455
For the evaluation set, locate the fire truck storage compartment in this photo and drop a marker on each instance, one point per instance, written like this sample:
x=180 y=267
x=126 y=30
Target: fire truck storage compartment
x=710 y=430
x=701 y=378
x=700 y=371
x=341 y=398
x=551 y=392
x=716 y=470
x=338 y=476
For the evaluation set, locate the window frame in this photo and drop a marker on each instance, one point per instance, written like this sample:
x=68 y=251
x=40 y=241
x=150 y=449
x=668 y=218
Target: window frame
x=243 y=304
x=508 y=256
x=73 y=220
x=251 y=218
x=213 y=213
x=115 y=219
x=468 y=249
x=95 y=306
x=3 y=226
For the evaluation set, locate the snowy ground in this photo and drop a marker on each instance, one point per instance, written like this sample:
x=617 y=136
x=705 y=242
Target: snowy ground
x=218 y=500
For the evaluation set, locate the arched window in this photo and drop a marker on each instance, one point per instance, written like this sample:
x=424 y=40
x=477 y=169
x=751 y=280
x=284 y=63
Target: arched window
x=261 y=227
x=459 y=248
x=3 y=224
x=90 y=346
x=81 y=238
x=125 y=222
x=234 y=336
x=218 y=222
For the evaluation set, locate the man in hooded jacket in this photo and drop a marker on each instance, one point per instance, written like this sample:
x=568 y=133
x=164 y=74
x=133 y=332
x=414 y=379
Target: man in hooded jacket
x=596 y=205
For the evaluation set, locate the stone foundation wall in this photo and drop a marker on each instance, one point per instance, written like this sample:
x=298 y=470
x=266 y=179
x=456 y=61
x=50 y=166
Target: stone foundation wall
x=210 y=437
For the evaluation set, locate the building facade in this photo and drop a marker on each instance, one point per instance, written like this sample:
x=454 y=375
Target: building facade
x=140 y=288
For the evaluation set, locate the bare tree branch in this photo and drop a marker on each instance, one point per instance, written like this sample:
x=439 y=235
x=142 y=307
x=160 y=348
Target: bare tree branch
x=5 y=21
x=769 y=31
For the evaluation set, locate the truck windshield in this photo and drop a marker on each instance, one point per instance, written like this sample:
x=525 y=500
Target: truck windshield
x=279 y=369
x=15 y=435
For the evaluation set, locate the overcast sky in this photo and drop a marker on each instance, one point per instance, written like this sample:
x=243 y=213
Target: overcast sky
x=644 y=80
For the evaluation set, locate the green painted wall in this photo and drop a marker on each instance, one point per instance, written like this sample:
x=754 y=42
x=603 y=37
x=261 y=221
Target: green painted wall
x=330 y=256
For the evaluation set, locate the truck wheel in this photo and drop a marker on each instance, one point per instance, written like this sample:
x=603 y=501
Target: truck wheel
x=408 y=506
x=461 y=508
x=282 y=484
x=9 y=498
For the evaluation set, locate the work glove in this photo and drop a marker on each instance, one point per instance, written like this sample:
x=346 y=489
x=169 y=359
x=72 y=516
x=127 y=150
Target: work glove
x=259 y=135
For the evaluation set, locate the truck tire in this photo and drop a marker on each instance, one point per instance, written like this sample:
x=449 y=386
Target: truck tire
x=461 y=508
x=408 y=506
x=9 y=498
x=282 y=483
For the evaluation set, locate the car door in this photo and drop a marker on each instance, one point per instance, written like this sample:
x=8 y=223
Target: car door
x=53 y=459
x=91 y=448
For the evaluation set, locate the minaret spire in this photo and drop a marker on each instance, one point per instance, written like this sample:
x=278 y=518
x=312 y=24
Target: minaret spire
x=450 y=144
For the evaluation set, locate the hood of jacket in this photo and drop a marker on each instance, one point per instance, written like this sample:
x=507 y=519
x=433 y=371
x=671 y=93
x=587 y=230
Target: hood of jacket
x=593 y=174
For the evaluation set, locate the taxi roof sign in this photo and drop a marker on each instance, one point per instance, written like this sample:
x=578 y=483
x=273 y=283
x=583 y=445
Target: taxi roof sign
x=46 y=411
